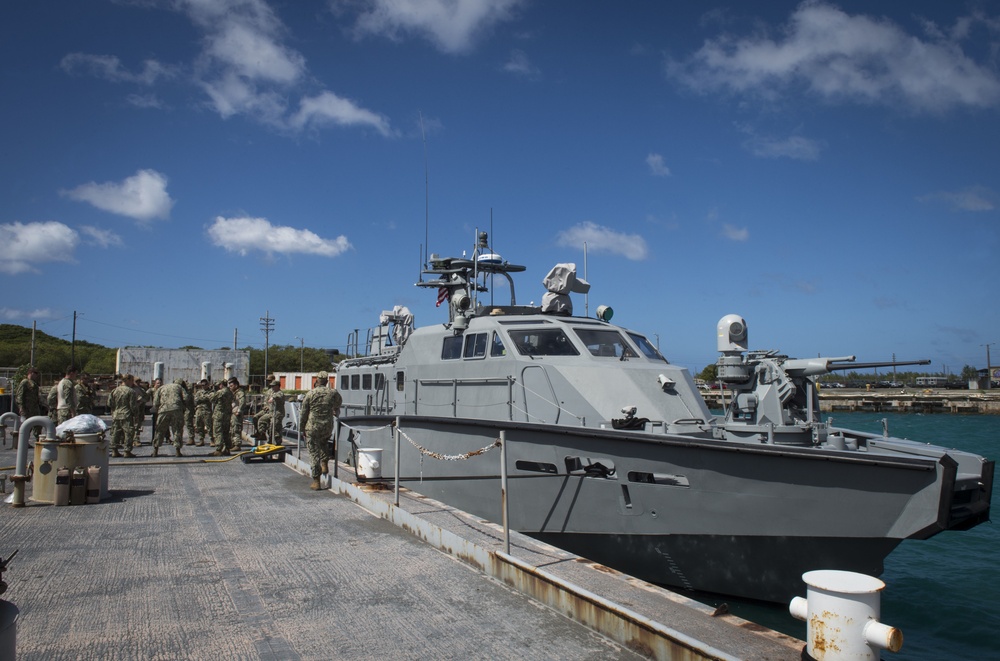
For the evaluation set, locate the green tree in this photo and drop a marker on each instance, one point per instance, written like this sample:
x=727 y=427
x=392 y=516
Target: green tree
x=710 y=373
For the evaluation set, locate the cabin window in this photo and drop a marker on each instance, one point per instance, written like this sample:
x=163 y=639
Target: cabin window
x=451 y=348
x=605 y=343
x=498 y=348
x=589 y=467
x=475 y=345
x=379 y=381
x=664 y=479
x=542 y=342
x=366 y=381
x=647 y=349
x=400 y=381
x=344 y=379
x=355 y=382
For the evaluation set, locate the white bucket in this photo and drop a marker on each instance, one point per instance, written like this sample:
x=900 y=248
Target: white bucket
x=370 y=463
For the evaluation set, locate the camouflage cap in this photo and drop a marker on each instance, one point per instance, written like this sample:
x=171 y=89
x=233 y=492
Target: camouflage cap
x=323 y=376
x=275 y=382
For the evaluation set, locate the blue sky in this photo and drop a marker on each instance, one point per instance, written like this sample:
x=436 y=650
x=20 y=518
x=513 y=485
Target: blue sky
x=173 y=170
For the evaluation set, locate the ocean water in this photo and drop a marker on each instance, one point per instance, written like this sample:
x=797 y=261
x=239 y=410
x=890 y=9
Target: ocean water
x=942 y=593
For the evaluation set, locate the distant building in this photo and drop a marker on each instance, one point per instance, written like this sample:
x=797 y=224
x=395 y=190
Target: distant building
x=189 y=364
x=300 y=380
x=931 y=381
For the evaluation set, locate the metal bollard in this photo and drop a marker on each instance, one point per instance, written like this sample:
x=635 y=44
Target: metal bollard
x=842 y=611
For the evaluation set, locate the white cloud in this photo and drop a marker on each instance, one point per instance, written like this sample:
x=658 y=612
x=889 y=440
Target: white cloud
x=328 y=108
x=10 y=314
x=101 y=238
x=244 y=235
x=794 y=147
x=143 y=196
x=734 y=233
x=843 y=57
x=254 y=54
x=973 y=198
x=656 y=165
x=25 y=245
x=451 y=25
x=520 y=65
x=603 y=239
x=110 y=68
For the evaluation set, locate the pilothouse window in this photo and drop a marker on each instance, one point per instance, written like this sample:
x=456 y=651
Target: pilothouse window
x=451 y=348
x=605 y=343
x=542 y=342
x=646 y=348
x=475 y=345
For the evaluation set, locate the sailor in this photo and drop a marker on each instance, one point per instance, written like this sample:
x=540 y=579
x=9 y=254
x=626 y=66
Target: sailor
x=269 y=422
x=319 y=407
x=66 y=396
x=123 y=403
x=202 y=413
x=168 y=401
x=28 y=399
x=222 y=414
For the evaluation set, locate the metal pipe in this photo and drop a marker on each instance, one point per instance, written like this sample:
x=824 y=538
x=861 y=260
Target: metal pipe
x=3 y=426
x=22 y=453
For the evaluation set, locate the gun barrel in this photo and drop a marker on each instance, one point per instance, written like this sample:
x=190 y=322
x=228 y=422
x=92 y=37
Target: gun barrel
x=889 y=363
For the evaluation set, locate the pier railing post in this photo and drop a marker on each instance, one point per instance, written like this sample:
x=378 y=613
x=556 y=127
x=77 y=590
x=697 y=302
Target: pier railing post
x=503 y=491
x=395 y=463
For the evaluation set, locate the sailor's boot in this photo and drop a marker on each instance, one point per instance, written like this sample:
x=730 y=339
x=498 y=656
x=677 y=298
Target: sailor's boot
x=178 y=451
x=314 y=485
x=156 y=452
x=325 y=466
x=115 y=453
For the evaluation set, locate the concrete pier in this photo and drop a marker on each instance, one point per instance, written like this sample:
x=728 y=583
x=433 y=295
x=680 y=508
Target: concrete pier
x=192 y=559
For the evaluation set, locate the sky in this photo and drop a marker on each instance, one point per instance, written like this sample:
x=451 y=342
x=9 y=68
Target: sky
x=174 y=171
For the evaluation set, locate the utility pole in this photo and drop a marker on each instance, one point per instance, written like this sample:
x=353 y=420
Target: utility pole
x=72 y=345
x=989 y=368
x=302 y=349
x=34 y=326
x=266 y=325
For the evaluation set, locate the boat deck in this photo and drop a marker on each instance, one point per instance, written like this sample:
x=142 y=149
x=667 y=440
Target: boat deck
x=192 y=559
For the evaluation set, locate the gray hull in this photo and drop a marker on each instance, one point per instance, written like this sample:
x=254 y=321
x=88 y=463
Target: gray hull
x=696 y=514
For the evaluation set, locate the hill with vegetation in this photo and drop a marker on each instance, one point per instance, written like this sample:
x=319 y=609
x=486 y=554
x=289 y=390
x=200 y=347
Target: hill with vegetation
x=53 y=354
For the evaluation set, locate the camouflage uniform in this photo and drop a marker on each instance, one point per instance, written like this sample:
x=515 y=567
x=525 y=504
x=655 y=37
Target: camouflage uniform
x=140 y=412
x=52 y=404
x=188 y=410
x=28 y=401
x=222 y=415
x=122 y=402
x=236 y=424
x=269 y=422
x=66 y=400
x=85 y=395
x=319 y=407
x=202 y=415
x=168 y=401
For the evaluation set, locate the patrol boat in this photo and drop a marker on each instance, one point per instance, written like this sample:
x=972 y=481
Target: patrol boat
x=612 y=453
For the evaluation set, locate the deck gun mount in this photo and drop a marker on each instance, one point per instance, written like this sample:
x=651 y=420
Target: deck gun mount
x=773 y=397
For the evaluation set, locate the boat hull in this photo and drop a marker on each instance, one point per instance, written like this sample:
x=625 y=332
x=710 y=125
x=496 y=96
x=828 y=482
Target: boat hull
x=693 y=513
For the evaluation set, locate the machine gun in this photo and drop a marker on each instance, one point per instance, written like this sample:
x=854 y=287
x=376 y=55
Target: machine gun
x=818 y=366
x=774 y=396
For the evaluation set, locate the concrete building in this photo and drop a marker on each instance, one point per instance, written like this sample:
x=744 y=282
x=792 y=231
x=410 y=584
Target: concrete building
x=148 y=363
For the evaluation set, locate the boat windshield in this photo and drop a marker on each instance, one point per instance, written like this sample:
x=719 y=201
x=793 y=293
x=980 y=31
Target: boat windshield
x=646 y=348
x=605 y=343
x=542 y=342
